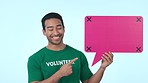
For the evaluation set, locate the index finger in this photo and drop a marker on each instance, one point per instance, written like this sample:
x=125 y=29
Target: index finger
x=109 y=55
x=73 y=60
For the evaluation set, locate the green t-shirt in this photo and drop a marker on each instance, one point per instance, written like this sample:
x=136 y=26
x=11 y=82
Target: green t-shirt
x=45 y=63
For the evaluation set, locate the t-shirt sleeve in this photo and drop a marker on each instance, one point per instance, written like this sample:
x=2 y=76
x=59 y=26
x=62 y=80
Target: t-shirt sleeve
x=34 y=70
x=85 y=71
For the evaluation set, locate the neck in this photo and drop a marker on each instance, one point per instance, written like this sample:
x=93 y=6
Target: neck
x=56 y=47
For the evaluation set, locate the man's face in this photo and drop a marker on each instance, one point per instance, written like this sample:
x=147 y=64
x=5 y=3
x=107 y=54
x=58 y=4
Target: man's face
x=54 y=31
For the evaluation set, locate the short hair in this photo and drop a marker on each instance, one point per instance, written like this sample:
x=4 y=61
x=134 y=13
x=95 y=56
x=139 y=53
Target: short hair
x=49 y=16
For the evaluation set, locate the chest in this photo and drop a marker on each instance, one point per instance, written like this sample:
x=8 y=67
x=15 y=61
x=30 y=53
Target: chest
x=51 y=64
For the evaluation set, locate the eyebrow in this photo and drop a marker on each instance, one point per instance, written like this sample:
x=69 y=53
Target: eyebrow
x=59 y=25
x=52 y=26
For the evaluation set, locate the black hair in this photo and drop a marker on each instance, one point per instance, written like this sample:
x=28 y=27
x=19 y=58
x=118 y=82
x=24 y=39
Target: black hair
x=49 y=16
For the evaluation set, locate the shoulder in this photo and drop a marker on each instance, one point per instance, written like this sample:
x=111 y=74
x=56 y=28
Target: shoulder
x=74 y=49
x=35 y=60
x=39 y=54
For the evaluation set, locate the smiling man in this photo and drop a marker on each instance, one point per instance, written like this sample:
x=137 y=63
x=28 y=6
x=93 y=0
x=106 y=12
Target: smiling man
x=61 y=63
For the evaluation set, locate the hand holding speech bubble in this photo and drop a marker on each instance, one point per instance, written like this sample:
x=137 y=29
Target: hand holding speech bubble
x=113 y=33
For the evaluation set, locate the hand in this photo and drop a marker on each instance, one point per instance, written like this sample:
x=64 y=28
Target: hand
x=66 y=69
x=107 y=59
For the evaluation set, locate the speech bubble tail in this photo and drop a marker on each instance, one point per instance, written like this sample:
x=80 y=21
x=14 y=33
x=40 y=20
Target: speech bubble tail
x=97 y=58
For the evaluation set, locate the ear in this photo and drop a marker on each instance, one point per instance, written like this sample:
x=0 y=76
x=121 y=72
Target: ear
x=44 y=32
x=64 y=29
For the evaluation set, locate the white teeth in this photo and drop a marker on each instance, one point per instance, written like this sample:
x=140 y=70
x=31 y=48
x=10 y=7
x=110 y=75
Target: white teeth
x=56 y=38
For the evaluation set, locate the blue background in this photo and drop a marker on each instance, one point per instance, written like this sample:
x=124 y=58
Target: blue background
x=21 y=35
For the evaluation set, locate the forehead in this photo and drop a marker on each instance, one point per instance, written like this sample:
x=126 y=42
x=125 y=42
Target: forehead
x=52 y=21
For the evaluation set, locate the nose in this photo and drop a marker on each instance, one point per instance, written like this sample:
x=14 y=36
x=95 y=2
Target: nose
x=55 y=32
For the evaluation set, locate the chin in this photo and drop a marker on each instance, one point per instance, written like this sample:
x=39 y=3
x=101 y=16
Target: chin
x=56 y=43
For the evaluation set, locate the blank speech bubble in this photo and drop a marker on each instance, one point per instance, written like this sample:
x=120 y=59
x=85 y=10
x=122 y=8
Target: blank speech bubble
x=122 y=34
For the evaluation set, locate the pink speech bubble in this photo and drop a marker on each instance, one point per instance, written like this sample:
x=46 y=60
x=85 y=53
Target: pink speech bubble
x=113 y=33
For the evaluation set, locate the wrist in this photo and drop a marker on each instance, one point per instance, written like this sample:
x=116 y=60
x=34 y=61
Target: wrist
x=102 y=67
x=60 y=74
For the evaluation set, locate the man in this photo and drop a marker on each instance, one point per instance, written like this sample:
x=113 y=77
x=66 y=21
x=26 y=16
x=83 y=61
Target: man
x=60 y=63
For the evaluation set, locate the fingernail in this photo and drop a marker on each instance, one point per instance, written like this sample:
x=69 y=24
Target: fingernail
x=102 y=57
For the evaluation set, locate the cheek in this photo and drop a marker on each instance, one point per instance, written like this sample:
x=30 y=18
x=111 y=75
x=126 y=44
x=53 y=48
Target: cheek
x=62 y=32
x=47 y=33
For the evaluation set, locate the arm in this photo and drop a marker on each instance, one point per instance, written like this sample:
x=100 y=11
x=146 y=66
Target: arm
x=53 y=79
x=107 y=59
x=65 y=70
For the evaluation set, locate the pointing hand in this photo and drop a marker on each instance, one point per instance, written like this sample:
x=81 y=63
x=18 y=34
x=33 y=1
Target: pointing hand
x=66 y=69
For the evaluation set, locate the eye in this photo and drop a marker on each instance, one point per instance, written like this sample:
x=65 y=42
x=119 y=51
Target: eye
x=59 y=27
x=50 y=29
